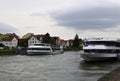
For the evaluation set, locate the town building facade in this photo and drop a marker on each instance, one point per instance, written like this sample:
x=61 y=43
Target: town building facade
x=9 y=40
x=35 y=39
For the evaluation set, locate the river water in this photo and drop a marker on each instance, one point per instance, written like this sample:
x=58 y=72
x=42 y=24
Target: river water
x=68 y=66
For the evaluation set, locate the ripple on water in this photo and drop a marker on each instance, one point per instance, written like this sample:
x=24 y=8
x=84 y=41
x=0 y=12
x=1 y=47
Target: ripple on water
x=61 y=67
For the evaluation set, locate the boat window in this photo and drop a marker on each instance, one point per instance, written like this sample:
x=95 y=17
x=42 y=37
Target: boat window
x=56 y=48
x=38 y=48
x=107 y=43
x=102 y=51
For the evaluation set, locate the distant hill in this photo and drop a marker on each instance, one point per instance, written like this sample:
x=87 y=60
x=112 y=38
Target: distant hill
x=3 y=36
x=8 y=35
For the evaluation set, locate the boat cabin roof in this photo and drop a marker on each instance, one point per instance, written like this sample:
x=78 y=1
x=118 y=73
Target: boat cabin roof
x=42 y=44
x=102 y=39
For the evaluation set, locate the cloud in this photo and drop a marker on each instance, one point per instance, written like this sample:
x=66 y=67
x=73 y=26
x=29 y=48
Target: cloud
x=90 y=18
x=5 y=28
x=38 y=14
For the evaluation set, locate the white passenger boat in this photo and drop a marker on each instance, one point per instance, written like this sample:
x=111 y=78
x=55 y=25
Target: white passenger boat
x=100 y=49
x=57 y=49
x=43 y=48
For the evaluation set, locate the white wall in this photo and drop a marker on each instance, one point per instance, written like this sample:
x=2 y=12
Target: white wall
x=11 y=44
x=32 y=40
x=14 y=42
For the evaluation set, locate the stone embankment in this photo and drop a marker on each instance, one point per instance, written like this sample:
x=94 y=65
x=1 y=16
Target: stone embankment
x=112 y=76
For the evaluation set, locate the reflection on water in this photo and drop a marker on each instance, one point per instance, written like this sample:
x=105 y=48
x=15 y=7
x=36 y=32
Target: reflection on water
x=97 y=69
x=99 y=65
x=61 y=67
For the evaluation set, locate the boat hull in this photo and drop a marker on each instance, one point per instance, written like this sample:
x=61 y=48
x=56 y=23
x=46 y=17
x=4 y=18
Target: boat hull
x=57 y=52
x=43 y=52
x=34 y=52
x=99 y=56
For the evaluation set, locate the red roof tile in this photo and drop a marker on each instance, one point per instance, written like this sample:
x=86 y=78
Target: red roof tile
x=7 y=39
x=14 y=35
x=39 y=36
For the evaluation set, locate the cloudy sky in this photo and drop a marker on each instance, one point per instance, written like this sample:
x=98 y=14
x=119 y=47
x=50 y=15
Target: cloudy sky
x=63 y=18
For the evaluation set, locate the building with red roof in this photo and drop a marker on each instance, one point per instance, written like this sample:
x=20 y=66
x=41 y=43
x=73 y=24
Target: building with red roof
x=10 y=41
x=35 y=39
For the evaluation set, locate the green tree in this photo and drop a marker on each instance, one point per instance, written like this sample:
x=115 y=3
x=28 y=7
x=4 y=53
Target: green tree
x=47 y=38
x=76 y=41
x=23 y=42
x=53 y=40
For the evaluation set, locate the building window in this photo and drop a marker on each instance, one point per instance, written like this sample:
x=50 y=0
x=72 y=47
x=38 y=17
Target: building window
x=10 y=43
x=33 y=39
x=6 y=43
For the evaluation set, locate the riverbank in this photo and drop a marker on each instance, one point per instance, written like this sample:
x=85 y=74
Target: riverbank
x=72 y=49
x=112 y=76
x=7 y=52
